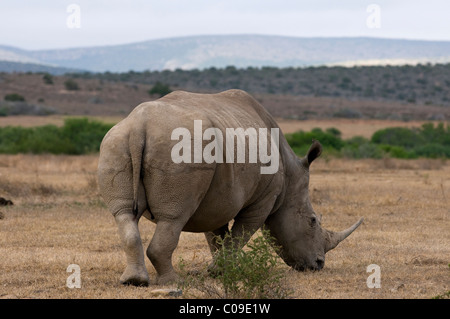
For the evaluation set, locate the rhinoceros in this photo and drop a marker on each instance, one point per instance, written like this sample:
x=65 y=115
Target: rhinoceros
x=139 y=176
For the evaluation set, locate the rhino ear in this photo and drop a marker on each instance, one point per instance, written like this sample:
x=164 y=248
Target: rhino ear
x=314 y=152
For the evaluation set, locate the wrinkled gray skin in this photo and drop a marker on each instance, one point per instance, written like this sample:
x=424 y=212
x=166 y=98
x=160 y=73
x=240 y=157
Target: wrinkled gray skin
x=138 y=177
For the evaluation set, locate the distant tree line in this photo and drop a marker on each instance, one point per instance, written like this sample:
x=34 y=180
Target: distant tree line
x=424 y=84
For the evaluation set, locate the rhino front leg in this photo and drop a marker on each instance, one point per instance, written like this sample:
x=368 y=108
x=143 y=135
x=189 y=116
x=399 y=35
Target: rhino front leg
x=214 y=237
x=246 y=223
x=164 y=241
x=135 y=273
x=239 y=237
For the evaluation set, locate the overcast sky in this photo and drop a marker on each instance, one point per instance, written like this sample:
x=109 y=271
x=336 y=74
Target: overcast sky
x=48 y=24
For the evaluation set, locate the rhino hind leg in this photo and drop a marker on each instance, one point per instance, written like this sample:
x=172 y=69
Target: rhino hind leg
x=135 y=273
x=160 y=250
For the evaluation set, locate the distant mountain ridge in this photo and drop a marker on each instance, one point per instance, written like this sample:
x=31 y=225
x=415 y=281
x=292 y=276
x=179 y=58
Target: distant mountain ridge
x=199 y=52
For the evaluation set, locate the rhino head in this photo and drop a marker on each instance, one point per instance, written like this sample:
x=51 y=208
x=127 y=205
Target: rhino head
x=300 y=239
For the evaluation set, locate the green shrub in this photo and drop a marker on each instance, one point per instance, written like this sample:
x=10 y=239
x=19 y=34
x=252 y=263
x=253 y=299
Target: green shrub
x=159 y=89
x=334 y=131
x=301 y=141
x=433 y=150
x=13 y=140
x=360 y=147
x=438 y=134
x=84 y=135
x=398 y=136
x=428 y=141
x=77 y=136
x=47 y=139
x=14 y=97
x=252 y=272
x=397 y=151
x=47 y=78
x=4 y=110
x=71 y=85
x=348 y=114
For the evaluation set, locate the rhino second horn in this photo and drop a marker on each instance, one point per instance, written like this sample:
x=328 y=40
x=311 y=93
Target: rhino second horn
x=334 y=238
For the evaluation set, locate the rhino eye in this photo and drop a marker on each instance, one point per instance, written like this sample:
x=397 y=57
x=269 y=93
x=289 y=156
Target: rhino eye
x=313 y=221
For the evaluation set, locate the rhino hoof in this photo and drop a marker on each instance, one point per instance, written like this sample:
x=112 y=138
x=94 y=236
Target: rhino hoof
x=135 y=279
x=138 y=282
x=167 y=278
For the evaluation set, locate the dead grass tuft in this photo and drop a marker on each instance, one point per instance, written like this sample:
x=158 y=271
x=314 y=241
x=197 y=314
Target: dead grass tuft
x=34 y=187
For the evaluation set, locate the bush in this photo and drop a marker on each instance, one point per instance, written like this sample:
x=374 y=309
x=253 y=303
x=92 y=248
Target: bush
x=438 y=134
x=85 y=135
x=47 y=78
x=71 y=85
x=14 y=97
x=301 y=141
x=334 y=131
x=428 y=141
x=360 y=147
x=252 y=272
x=433 y=150
x=398 y=136
x=77 y=136
x=4 y=111
x=398 y=151
x=348 y=114
x=159 y=89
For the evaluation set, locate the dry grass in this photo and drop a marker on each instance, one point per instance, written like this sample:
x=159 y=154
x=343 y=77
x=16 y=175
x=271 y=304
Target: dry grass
x=348 y=127
x=58 y=120
x=59 y=220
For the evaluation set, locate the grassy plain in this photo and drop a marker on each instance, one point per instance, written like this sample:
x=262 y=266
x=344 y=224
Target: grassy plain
x=58 y=219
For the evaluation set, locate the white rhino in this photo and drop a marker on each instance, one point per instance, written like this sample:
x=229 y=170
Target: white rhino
x=138 y=176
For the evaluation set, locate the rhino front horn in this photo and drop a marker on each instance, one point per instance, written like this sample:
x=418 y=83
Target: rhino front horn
x=334 y=238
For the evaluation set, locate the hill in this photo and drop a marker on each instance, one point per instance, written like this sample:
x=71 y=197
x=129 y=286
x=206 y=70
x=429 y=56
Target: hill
x=241 y=51
x=403 y=93
x=20 y=67
x=421 y=84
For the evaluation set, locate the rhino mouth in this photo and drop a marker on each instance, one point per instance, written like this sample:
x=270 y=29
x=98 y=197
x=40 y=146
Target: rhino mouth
x=317 y=265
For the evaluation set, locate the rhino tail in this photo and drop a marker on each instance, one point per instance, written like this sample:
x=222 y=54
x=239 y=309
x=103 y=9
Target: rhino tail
x=137 y=145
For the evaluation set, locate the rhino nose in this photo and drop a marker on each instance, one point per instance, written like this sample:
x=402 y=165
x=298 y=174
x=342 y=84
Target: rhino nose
x=320 y=262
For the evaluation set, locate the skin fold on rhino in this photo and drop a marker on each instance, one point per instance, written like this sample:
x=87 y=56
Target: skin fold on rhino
x=138 y=177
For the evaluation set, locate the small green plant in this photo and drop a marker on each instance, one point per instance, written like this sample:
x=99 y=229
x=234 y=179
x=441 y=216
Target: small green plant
x=4 y=111
x=160 y=89
x=252 y=272
x=71 y=85
x=445 y=295
x=330 y=140
x=47 y=78
x=14 y=97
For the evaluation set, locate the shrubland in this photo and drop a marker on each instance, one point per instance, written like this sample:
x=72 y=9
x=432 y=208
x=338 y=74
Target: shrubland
x=83 y=136
x=77 y=136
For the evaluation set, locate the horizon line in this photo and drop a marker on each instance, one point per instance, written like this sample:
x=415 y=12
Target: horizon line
x=224 y=35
